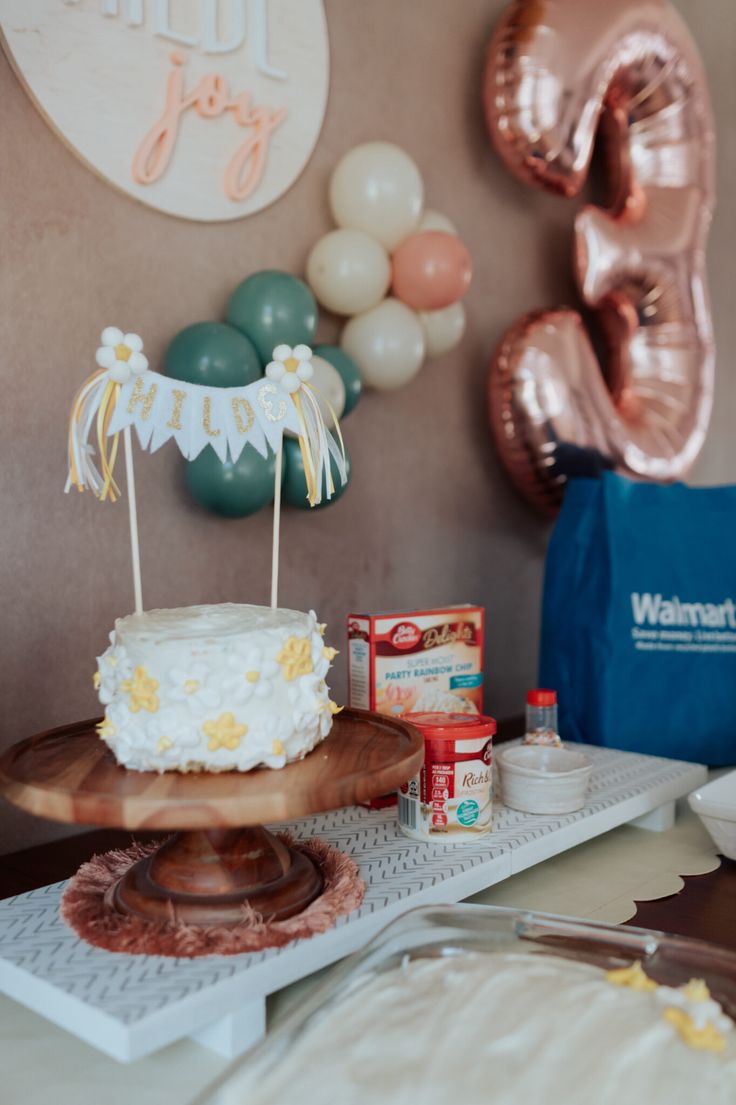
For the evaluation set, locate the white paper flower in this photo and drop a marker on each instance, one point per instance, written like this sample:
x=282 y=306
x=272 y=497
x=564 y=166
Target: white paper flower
x=290 y=367
x=121 y=354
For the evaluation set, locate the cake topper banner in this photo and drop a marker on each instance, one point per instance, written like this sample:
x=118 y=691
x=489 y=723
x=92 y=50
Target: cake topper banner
x=228 y=419
x=124 y=392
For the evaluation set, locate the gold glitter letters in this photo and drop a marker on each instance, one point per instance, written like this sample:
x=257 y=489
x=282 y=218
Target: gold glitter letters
x=206 y=416
x=174 y=422
x=243 y=415
x=139 y=396
x=264 y=398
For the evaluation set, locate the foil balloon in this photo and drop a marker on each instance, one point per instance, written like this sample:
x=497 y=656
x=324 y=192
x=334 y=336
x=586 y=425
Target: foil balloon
x=558 y=75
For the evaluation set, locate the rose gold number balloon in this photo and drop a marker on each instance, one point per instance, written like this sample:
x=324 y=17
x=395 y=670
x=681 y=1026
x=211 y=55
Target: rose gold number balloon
x=556 y=72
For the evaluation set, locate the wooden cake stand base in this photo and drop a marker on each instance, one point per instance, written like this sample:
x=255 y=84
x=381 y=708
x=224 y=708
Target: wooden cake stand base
x=221 y=859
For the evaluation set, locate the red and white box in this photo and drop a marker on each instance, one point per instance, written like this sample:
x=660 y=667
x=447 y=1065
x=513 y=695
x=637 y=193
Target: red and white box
x=426 y=660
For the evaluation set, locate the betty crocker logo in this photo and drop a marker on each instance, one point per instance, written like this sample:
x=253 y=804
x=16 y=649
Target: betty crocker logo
x=406 y=635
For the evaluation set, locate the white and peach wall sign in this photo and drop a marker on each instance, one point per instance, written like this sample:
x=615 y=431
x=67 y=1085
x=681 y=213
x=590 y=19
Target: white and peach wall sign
x=206 y=109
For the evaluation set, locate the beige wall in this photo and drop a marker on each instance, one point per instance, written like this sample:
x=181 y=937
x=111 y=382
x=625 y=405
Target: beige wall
x=429 y=517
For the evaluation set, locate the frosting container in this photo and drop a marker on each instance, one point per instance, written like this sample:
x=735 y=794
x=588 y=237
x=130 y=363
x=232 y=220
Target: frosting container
x=451 y=798
x=562 y=1072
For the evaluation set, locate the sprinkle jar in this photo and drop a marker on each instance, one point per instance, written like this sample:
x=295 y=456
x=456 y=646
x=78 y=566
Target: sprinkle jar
x=451 y=797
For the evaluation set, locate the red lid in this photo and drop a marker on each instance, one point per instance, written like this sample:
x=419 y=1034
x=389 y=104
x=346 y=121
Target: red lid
x=541 y=697
x=452 y=727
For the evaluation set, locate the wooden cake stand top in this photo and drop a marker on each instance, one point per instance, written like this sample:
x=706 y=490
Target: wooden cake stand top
x=69 y=774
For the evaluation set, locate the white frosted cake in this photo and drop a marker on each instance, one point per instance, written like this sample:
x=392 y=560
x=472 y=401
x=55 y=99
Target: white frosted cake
x=506 y=1029
x=214 y=688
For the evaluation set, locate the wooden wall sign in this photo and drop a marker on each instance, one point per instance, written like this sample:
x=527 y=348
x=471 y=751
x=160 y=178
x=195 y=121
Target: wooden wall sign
x=206 y=109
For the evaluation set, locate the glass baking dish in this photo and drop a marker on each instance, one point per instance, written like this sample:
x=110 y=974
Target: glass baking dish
x=459 y=929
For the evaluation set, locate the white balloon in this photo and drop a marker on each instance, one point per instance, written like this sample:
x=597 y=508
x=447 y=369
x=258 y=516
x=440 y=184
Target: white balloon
x=348 y=271
x=326 y=383
x=435 y=220
x=443 y=329
x=377 y=188
x=387 y=343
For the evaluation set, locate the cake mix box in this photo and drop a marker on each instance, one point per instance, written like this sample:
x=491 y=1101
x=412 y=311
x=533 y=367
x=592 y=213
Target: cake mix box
x=418 y=660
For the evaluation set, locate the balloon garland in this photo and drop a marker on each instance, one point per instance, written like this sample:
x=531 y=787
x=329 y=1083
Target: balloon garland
x=395 y=270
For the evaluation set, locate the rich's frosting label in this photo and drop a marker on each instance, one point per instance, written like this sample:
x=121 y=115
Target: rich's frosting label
x=453 y=793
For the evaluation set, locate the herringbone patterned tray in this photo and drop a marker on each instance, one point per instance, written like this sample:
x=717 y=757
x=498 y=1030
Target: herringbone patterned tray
x=129 y=1006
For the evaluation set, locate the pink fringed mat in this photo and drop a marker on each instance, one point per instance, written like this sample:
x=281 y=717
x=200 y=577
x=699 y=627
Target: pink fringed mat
x=84 y=910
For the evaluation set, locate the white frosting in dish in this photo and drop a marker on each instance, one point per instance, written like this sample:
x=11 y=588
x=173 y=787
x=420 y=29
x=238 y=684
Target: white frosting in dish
x=215 y=688
x=495 y=1029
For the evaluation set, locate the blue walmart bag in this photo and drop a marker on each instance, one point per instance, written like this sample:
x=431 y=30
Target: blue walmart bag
x=639 y=618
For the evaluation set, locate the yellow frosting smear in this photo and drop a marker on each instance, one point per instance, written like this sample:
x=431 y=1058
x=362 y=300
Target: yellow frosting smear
x=252 y=676
x=696 y=990
x=96 y=680
x=277 y=748
x=106 y=728
x=329 y=653
x=633 y=977
x=706 y=1038
x=191 y=685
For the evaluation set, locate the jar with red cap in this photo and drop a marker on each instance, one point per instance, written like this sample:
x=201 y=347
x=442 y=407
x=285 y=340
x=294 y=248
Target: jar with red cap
x=541 y=718
x=451 y=799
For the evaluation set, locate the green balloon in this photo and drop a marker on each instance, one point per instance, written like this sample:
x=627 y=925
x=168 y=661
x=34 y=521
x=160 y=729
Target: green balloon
x=234 y=489
x=272 y=307
x=214 y=354
x=348 y=369
x=295 y=482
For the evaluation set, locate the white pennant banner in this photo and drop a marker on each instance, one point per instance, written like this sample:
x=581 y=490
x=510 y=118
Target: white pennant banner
x=161 y=408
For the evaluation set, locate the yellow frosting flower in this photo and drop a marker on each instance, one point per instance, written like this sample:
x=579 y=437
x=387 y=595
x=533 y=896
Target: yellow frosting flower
x=277 y=748
x=164 y=744
x=330 y=653
x=141 y=690
x=633 y=977
x=705 y=1038
x=252 y=676
x=334 y=708
x=224 y=733
x=96 y=680
x=296 y=658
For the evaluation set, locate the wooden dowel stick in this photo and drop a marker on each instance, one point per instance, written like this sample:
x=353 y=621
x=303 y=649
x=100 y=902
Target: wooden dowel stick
x=276 y=529
x=133 y=519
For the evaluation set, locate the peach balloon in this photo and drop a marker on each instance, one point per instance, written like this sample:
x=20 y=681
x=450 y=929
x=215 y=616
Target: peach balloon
x=431 y=270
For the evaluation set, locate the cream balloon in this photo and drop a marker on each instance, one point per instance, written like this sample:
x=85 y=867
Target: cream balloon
x=348 y=271
x=377 y=188
x=327 y=384
x=435 y=220
x=387 y=343
x=443 y=329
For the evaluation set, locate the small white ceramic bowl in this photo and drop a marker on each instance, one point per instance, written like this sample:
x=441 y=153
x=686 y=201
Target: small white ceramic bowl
x=540 y=779
x=715 y=805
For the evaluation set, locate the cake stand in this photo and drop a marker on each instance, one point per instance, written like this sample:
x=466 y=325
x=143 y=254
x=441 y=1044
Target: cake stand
x=220 y=857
